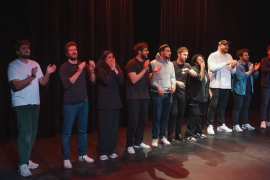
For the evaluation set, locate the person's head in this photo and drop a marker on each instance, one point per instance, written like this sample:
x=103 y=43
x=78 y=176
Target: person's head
x=165 y=51
x=107 y=57
x=243 y=55
x=104 y=62
x=197 y=59
x=22 y=48
x=268 y=50
x=71 y=51
x=223 y=46
x=142 y=50
x=182 y=53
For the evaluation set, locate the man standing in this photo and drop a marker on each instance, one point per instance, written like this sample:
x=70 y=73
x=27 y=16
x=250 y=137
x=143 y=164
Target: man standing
x=182 y=69
x=74 y=74
x=220 y=67
x=243 y=88
x=25 y=76
x=265 y=88
x=163 y=85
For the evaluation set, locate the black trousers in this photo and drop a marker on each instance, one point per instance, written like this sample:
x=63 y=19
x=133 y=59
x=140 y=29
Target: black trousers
x=108 y=131
x=197 y=111
x=241 y=103
x=137 y=118
x=218 y=101
x=176 y=115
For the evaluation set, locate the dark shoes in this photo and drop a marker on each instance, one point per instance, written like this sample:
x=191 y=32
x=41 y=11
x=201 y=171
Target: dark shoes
x=170 y=138
x=177 y=137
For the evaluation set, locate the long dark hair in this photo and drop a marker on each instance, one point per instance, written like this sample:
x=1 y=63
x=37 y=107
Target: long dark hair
x=103 y=67
x=194 y=59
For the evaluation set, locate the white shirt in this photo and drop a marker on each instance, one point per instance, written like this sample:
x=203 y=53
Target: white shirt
x=30 y=94
x=219 y=72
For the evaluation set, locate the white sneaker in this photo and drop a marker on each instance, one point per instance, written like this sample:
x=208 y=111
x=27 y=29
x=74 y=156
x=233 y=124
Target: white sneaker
x=190 y=139
x=224 y=128
x=130 y=150
x=198 y=135
x=86 y=159
x=237 y=128
x=67 y=164
x=143 y=146
x=24 y=171
x=247 y=126
x=103 y=157
x=113 y=156
x=32 y=165
x=263 y=124
x=155 y=142
x=268 y=123
x=165 y=141
x=210 y=130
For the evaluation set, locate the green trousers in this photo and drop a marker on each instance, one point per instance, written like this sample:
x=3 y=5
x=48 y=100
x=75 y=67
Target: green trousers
x=27 y=118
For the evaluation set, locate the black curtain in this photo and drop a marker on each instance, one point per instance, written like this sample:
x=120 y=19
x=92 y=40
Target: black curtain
x=94 y=25
x=200 y=24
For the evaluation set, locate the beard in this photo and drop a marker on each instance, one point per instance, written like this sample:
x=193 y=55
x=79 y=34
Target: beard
x=167 y=57
x=144 y=57
x=73 y=58
x=24 y=56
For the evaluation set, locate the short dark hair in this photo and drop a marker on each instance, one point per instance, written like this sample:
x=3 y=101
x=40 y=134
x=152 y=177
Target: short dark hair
x=181 y=49
x=268 y=48
x=70 y=43
x=19 y=43
x=241 y=51
x=194 y=59
x=162 y=47
x=140 y=47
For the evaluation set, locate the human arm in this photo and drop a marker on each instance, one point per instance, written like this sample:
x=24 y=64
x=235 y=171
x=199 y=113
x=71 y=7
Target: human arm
x=73 y=78
x=133 y=77
x=45 y=79
x=152 y=76
x=213 y=66
x=173 y=81
x=92 y=69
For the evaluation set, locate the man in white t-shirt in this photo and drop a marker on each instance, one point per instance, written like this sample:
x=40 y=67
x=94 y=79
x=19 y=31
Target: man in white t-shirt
x=25 y=75
x=220 y=67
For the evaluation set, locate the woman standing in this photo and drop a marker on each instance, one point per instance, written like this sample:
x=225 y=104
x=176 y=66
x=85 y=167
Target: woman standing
x=197 y=95
x=109 y=76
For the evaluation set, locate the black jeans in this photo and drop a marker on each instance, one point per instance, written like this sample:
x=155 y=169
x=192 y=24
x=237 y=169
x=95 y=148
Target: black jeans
x=137 y=118
x=176 y=115
x=197 y=111
x=218 y=101
x=241 y=103
x=265 y=109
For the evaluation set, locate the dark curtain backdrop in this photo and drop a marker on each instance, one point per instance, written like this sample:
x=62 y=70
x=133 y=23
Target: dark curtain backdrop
x=94 y=25
x=200 y=24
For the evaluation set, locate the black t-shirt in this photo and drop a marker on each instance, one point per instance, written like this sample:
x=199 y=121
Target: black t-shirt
x=179 y=76
x=139 y=90
x=248 y=87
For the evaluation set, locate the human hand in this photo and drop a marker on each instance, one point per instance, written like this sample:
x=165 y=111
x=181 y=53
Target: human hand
x=80 y=67
x=92 y=65
x=181 y=84
x=160 y=91
x=51 y=68
x=157 y=68
x=112 y=64
x=146 y=64
x=257 y=66
x=34 y=72
x=172 y=89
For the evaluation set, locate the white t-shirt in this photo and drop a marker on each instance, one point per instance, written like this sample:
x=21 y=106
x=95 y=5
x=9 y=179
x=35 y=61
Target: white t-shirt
x=30 y=94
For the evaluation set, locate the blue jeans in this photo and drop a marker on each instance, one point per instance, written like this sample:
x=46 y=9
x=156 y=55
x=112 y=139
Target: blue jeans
x=161 y=110
x=70 y=112
x=264 y=104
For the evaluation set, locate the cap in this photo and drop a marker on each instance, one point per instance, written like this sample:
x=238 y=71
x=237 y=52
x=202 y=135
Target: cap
x=224 y=42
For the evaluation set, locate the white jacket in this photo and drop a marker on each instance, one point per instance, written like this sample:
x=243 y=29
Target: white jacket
x=219 y=72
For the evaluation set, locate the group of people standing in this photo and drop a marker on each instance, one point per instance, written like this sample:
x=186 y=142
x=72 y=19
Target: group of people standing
x=172 y=84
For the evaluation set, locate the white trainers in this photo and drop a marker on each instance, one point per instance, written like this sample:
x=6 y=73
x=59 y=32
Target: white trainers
x=32 y=165
x=198 y=135
x=210 y=130
x=24 y=171
x=224 y=128
x=67 y=164
x=113 y=156
x=130 y=150
x=143 y=146
x=155 y=142
x=268 y=123
x=237 y=128
x=86 y=159
x=190 y=139
x=165 y=141
x=247 y=126
x=103 y=157
x=263 y=124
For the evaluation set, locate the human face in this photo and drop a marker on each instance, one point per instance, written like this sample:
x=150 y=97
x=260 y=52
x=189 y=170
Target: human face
x=199 y=60
x=245 y=57
x=166 y=53
x=183 y=56
x=268 y=52
x=109 y=59
x=224 y=48
x=72 y=53
x=24 y=51
x=144 y=54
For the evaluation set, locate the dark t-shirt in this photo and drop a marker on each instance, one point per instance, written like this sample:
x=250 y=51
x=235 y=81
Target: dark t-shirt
x=248 y=87
x=77 y=92
x=139 y=90
x=179 y=76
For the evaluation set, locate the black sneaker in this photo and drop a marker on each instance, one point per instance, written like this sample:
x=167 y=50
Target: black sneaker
x=170 y=138
x=178 y=137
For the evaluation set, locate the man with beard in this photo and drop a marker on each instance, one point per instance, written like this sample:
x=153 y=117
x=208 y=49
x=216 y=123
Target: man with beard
x=182 y=69
x=137 y=84
x=74 y=74
x=242 y=81
x=163 y=85
x=220 y=67
x=25 y=76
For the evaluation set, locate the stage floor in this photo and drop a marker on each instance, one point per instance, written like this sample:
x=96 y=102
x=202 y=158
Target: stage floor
x=224 y=156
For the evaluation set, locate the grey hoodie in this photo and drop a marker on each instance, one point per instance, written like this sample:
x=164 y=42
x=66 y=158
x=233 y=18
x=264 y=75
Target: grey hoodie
x=165 y=77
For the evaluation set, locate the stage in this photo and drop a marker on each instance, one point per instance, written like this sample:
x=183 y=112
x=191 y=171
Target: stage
x=223 y=156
